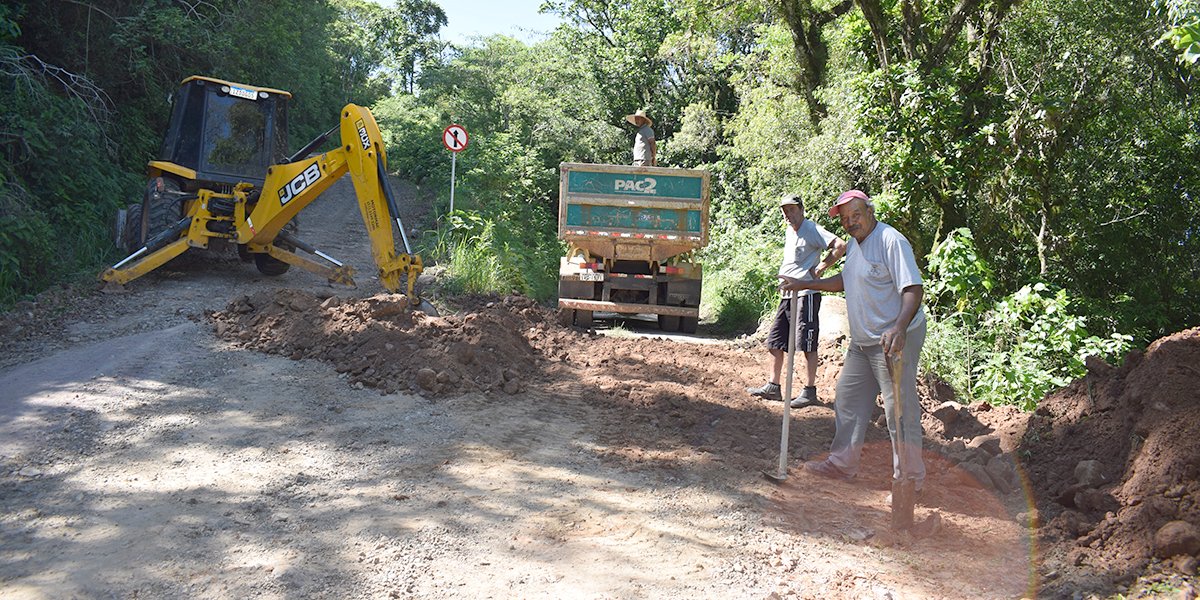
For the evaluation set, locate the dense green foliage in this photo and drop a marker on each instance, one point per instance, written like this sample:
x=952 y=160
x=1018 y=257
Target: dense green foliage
x=1011 y=350
x=1039 y=154
x=1056 y=137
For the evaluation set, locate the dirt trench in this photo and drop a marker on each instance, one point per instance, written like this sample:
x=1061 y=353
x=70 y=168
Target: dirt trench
x=216 y=434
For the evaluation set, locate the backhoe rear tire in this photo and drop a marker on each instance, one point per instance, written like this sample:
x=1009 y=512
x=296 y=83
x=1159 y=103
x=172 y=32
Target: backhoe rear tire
x=269 y=265
x=164 y=212
x=131 y=232
x=165 y=209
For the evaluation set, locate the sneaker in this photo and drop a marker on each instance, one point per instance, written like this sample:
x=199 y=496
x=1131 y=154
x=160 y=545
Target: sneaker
x=824 y=468
x=768 y=391
x=806 y=398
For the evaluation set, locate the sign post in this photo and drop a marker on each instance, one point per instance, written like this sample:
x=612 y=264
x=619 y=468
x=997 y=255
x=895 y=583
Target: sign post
x=455 y=139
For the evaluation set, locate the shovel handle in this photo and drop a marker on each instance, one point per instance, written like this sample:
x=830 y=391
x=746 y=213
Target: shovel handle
x=895 y=367
x=787 y=386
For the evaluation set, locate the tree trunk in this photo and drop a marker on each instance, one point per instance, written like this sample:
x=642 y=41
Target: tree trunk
x=806 y=26
x=873 y=13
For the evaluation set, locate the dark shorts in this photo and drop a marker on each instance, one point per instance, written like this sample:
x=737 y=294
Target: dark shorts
x=806 y=331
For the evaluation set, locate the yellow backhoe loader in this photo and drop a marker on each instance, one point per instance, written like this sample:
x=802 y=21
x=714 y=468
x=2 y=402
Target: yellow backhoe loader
x=223 y=177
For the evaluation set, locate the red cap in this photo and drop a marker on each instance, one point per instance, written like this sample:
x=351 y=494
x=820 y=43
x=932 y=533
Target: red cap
x=846 y=196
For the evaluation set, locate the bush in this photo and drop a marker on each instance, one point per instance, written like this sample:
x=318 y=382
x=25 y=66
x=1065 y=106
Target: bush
x=1011 y=351
x=485 y=255
x=58 y=187
x=740 y=265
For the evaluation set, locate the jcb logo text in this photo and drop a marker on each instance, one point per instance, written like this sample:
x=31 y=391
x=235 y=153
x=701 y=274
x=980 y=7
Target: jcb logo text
x=362 y=134
x=299 y=183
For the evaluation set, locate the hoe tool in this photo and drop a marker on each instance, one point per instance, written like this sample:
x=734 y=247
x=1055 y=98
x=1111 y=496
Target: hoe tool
x=904 y=490
x=780 y=474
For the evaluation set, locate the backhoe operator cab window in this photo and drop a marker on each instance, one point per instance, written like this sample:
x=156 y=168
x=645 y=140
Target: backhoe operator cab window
x=226 y=133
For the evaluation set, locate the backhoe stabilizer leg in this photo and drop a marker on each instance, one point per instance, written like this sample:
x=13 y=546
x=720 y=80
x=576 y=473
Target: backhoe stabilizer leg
x=301 y=244
x=158 y=250
x=151 y=262
x=342 y=274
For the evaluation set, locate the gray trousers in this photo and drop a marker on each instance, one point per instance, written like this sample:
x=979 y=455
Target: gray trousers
x=864 y=376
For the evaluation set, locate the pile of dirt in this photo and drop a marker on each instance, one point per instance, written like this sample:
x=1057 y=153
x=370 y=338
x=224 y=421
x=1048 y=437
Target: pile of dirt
x=1114 y=463
x=379 y=342
x=666 y=397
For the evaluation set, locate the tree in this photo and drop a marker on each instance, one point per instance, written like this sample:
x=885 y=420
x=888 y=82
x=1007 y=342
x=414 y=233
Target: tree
x=409 y=32
x=621 y=42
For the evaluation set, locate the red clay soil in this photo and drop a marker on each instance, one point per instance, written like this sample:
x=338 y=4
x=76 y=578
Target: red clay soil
x=1141 y=422
x=675 y=400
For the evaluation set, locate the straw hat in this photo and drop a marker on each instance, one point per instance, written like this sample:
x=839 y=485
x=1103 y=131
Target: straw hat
x=634 y=117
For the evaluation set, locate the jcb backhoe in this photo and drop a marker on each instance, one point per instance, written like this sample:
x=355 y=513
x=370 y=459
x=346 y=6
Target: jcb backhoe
x=223 y=176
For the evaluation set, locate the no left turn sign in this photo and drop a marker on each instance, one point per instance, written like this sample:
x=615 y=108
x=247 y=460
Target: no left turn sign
x=455 y=138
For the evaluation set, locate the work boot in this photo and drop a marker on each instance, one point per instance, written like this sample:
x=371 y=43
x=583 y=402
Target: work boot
x=767 y=391
x=806 y=398
x=824 y=468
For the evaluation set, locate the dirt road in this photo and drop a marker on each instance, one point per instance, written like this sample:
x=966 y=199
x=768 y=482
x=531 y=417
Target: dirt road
x=144 y=456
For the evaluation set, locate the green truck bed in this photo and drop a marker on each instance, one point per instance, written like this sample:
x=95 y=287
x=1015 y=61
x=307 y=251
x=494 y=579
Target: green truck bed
x=623 y=212
x=629 y=232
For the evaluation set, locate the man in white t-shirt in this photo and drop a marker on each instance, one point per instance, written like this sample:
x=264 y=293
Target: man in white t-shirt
x=883 y=307
x=802 y=249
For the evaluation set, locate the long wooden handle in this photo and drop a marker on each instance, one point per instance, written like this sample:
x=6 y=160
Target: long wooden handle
x=895 y=363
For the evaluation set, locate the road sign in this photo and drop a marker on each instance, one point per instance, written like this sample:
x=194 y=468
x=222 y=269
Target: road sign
x=455 y=138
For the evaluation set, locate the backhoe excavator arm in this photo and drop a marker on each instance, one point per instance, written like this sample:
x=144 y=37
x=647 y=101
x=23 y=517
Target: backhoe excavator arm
x=291 y=187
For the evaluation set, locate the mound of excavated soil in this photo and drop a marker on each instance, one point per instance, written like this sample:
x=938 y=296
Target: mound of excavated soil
x=1115 y=457
x=379 y=342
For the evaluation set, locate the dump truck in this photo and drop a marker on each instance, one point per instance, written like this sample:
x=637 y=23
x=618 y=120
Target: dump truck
x=631 y=235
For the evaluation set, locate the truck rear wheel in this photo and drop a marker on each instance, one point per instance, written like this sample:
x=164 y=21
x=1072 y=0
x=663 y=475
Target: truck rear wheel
x=668 y=322
x=688 y=324
x=566 y=317
x=583 y=318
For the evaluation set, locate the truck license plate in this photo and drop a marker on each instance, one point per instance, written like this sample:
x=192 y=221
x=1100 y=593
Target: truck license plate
x=591 y=276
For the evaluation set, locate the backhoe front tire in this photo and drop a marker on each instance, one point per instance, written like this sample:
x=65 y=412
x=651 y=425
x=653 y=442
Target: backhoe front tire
x=269 y=265
x=162 y=199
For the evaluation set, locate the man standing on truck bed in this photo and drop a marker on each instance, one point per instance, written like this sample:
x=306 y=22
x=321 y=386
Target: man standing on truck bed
x=802 y=249
x=645 y=149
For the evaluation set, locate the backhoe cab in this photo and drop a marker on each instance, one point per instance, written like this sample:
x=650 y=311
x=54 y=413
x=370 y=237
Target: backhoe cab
x=223 y=177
